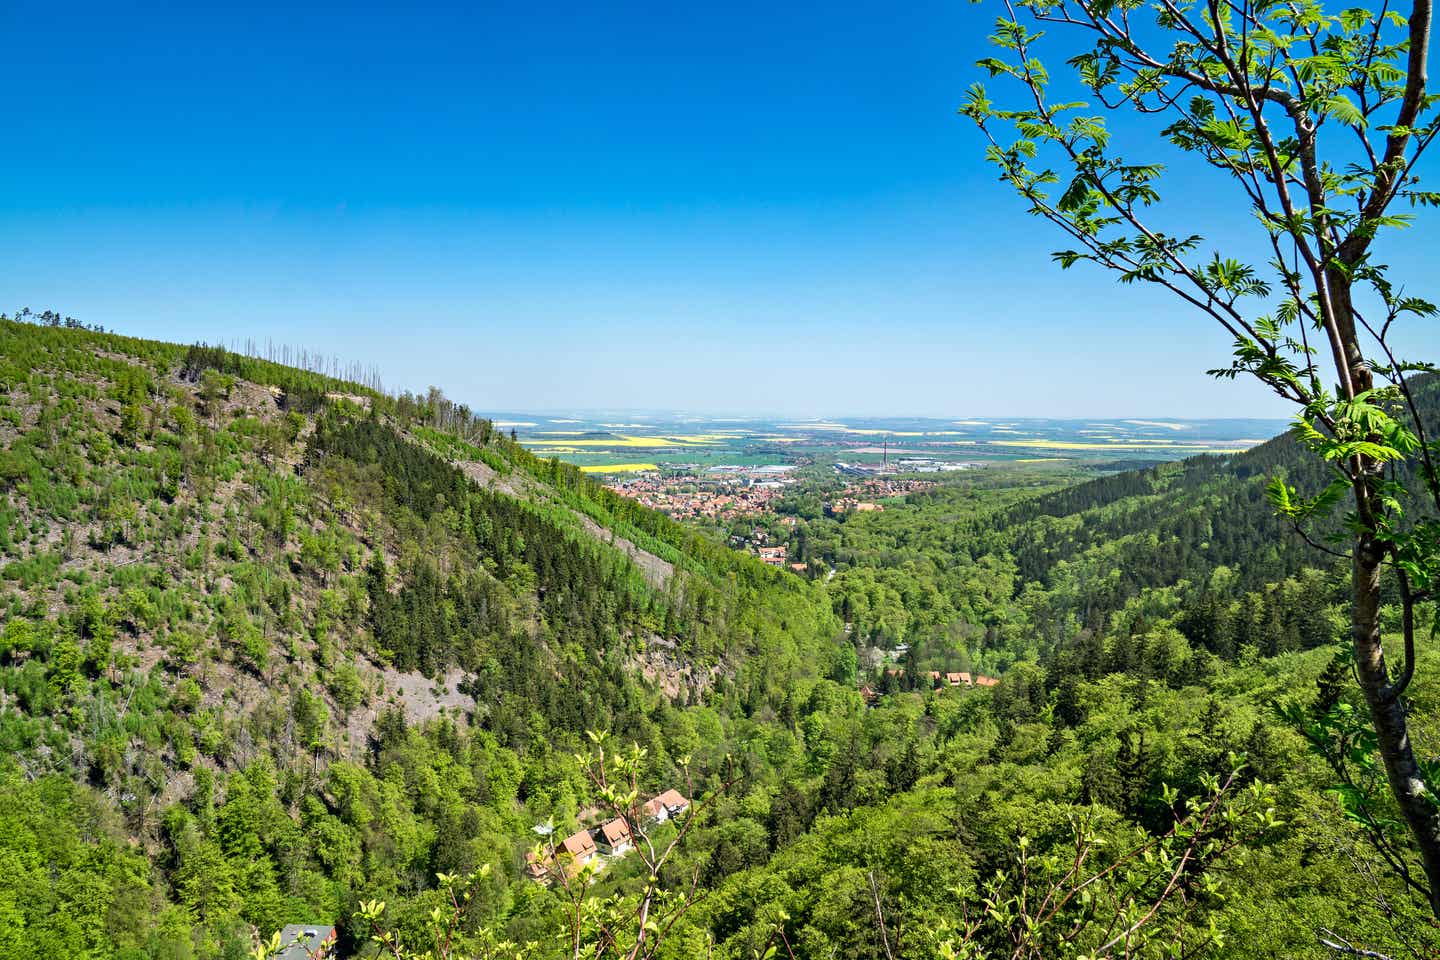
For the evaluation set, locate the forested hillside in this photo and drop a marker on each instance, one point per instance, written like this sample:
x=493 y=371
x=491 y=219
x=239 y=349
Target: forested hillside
x=274 y=645
x=230 y=585
x=1029 y=568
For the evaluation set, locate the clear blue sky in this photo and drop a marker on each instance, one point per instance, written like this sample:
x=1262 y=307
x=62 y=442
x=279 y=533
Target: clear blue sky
x=744 y=207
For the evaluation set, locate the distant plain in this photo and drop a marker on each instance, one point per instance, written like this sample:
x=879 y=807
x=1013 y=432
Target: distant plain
x=629 y=442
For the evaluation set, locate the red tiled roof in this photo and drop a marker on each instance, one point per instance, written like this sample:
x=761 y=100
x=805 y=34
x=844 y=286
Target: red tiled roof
x=579 y=844
x=672 y=798
x=615 y=831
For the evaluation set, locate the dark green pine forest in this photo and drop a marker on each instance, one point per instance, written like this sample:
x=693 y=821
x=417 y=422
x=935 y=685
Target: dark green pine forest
x=275 y=645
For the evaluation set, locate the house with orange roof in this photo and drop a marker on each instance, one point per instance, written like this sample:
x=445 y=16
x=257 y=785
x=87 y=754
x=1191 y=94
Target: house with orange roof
x=537 y=868
x=614 y=837
x=580 y=846
x=666 y=806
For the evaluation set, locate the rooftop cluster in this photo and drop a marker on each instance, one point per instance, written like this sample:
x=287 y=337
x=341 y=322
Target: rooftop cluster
x=600 y=844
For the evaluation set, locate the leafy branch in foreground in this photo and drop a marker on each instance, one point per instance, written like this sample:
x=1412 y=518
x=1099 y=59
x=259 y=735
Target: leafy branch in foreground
x=1140 y=902
x=1318 y=120
x=631 y=925
x=447 y=937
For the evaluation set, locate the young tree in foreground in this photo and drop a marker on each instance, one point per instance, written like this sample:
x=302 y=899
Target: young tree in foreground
x=1090 y=903
x=1318 y=120
x=631 y=926
x=628 y=927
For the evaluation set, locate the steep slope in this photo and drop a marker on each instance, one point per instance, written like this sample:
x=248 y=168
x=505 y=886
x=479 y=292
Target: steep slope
x=232 y=582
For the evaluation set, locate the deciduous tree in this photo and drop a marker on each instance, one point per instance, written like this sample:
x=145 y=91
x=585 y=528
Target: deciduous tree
x=1317 y=119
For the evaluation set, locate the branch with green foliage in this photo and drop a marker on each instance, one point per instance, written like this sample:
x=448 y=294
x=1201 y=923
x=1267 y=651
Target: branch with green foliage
x=632 y=926
x=1139 y=902
x=1318 y=121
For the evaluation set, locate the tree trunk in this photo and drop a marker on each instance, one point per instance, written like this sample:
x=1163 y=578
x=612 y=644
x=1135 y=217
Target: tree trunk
x=1387 y=711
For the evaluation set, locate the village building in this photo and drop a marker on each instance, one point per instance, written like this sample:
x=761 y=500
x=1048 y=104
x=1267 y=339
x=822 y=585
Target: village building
x=580 y=846
x=667 y=806
x=614 y=838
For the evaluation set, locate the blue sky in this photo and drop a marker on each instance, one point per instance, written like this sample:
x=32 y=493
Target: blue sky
x=752 y=208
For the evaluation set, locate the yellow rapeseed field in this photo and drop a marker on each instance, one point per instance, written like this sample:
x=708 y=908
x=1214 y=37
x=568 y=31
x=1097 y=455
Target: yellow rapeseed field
x=618 y=467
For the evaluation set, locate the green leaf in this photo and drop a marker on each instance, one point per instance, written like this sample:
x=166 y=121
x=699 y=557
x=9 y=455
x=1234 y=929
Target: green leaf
x=1342 y=108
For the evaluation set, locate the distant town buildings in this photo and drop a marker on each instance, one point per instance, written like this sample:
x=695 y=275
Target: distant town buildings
x=720 y=493
x=774 y=556
x=729 y=493
x=895 y=465
x=878 y=488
